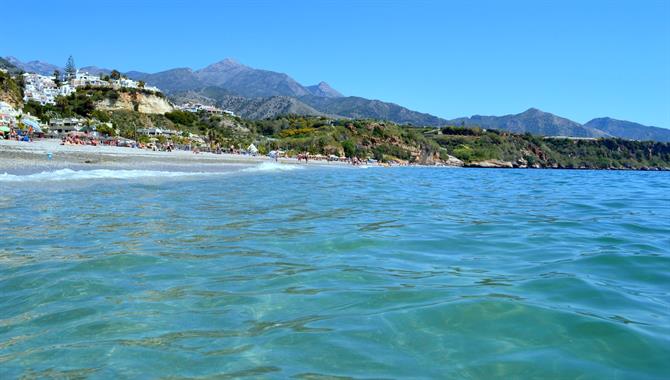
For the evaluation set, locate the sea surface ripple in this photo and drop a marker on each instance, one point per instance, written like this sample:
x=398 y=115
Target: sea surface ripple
x=381 y=273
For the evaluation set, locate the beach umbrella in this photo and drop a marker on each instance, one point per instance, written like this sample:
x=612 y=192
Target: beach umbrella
x=32 y=123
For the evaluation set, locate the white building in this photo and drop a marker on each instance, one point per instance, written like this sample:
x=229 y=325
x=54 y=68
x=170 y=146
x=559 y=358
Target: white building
x=65 y=89
x=84 y=79
x=39 y=88
x=197 y=107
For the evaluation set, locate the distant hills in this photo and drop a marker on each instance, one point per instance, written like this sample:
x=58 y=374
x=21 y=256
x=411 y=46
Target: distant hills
x=34 y=66
x=629 y=130
x=534 y=121
x=258 y=94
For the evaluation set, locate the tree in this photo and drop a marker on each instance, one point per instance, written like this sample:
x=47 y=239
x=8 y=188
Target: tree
x=349 y=148
x=141 y=84
x=115 y=75
x=70 y=69
x=57 y=77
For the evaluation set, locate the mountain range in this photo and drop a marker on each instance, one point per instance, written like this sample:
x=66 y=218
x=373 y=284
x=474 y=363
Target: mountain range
x=255 y=93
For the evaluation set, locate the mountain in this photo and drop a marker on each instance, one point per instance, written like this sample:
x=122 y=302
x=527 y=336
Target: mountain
x=324 y=90
x=246 y=81
x=10 y=67
x=94 y=70
x=174 y=80
x=38 y=67
x=233 y=77
x=360 y=108
x=532 y=121
x=265 y=108
x=270 y=107
x=629 y=130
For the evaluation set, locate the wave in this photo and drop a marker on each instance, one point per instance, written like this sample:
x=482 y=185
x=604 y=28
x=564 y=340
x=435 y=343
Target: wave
x=69 y=175
x=272 y=167
x=73 y=175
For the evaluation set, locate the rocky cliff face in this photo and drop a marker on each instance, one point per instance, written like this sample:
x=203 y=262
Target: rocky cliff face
x=144 y=103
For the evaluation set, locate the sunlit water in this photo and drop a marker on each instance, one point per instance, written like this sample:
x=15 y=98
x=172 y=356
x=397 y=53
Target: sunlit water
x=310 y=273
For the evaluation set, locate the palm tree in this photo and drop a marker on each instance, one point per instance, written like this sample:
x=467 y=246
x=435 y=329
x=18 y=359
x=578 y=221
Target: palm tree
x=212 y=136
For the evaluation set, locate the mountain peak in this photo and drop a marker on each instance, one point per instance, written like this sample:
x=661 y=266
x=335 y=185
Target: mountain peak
x=324 y=90
x=224 y=65
x=533 y=111
x=230 y=61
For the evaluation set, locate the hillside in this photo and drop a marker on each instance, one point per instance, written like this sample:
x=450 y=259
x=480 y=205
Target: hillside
x=266 y=108
x=361 y=108
x=629 y=130
x=10 y=91
x=470 y=146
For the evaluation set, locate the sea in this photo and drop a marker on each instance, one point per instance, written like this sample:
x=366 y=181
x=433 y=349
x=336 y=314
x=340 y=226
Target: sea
x=291 y=272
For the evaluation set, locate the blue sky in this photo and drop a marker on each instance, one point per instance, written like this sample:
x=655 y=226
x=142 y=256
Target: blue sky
x=578 y=59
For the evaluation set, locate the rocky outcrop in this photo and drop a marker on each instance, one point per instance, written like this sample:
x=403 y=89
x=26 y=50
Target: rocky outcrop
x=140 y=102
x=491 y=164
x=453 y=161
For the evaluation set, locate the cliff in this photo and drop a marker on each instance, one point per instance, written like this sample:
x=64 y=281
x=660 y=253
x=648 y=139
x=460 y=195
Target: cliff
x=135 y=101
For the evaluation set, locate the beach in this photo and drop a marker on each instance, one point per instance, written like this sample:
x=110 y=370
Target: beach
x=49 y=154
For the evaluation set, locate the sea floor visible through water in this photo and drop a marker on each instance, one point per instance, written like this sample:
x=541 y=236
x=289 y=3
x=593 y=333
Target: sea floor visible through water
x=281 y=271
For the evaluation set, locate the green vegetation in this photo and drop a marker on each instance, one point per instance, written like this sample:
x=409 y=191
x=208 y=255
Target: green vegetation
x=10 y=89
x=475 y=145
x=70 y=68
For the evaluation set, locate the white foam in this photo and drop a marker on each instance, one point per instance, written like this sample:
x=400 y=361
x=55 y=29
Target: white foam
x=71 y=175
x=272 y=167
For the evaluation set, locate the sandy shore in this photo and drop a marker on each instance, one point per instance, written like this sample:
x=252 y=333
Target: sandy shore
x=15 y=156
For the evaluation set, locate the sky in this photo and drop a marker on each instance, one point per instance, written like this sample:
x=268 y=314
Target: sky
x=577 y=59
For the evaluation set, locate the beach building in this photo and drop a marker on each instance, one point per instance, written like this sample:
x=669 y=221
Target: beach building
x=65 y=125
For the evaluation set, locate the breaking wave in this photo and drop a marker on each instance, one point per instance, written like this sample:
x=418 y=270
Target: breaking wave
x=69 y=175
x=272 y=167
x=73 y=175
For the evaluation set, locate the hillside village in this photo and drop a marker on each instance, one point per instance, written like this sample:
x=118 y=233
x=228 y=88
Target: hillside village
x=45 y=91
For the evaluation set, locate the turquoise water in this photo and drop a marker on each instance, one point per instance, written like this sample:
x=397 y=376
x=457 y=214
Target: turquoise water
x=310 y=273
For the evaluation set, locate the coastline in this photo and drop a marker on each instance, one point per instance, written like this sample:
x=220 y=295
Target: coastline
x=30 y=157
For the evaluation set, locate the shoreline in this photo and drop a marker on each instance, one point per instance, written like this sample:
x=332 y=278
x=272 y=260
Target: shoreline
x=16 y=156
